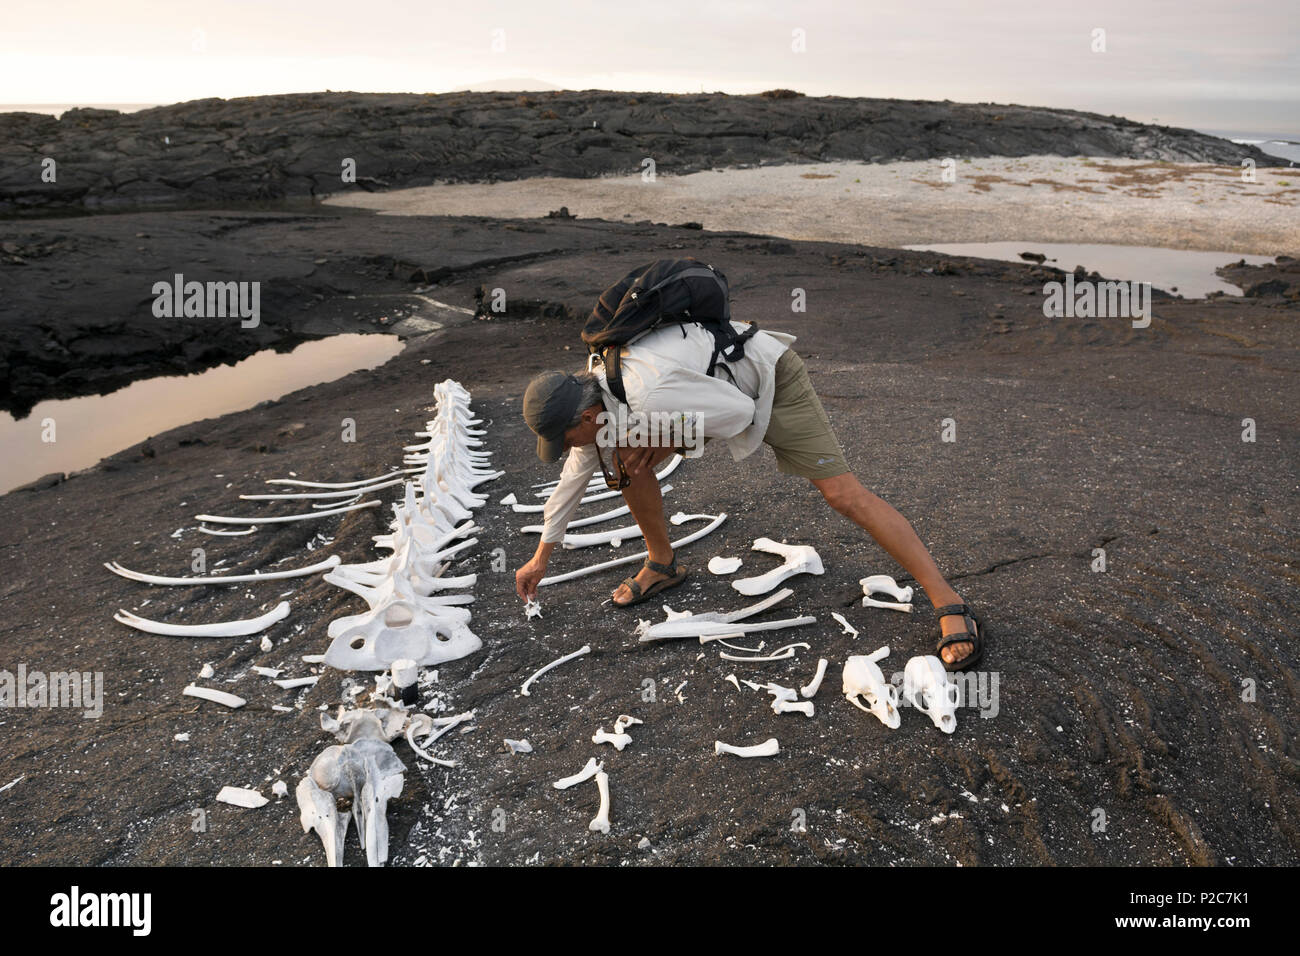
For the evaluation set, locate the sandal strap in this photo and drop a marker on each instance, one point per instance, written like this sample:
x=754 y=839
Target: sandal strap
x=661 y=568
x=948 y=609
x=633 y=587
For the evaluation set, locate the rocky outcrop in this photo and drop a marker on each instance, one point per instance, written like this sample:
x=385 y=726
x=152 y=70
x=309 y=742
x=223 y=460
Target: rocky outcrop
x=276 y=147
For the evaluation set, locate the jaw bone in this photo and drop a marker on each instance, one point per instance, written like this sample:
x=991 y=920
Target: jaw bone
x=862 y=678
x=884 y=584
x=927 y=688
x=799 y=559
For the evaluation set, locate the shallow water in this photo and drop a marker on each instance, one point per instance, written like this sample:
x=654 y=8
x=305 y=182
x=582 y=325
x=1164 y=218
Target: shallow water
x=87 y=429
x=1185 y=272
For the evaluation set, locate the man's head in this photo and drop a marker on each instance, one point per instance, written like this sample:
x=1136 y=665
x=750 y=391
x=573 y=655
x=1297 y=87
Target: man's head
x=562 y=408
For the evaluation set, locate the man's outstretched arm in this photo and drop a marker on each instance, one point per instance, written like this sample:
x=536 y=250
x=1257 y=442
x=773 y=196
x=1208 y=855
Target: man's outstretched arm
x=581 y=464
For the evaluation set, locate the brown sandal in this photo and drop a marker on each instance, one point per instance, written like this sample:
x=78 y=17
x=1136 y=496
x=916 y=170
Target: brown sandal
x=677 y=576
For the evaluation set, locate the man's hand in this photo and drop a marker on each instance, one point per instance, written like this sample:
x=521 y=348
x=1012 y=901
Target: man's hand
x=636 y=459
x=527 y=577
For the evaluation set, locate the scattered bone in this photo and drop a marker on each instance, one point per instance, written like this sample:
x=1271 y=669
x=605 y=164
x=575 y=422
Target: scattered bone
x=780 y=654
x=518 y=746
x=589 y=770
x=410 y=739
x=296 y=682
x=624 y=722
x=266 y=644
x=799 y=559
x=585 y=649
x=242 y=797
x=768 y=748
x=619 y=562
x=280 y=789
x=226 y=519
x=732 y=678
x=183 y=738
x=313 y=658
x=207 y=671
x=736 y=647
x=884 y=584
x=927 y=688
x=227 y=534
x=804 y=707
x=532 y=609
x=601 y=822
x=848 y=628
x=721 y=565
x=264 y=671
x=862 y=678
x=280 y=708
x=705 y=630
x=224 y=629
x=216 y=696
x=644 y=844
x=618 y=740
x=809 y=690
x=317 y=568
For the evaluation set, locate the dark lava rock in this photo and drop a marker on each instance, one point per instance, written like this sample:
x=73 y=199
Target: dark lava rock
x=292 y=145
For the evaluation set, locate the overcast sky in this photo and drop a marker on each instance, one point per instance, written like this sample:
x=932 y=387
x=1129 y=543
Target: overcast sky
x=1230 y=64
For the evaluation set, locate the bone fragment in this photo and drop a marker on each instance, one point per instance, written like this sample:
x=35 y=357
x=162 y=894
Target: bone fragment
x=809 y=690
x=585 y=649
x=768 y=748
x=589 y=770
x=601 y=821
x=242 y=797
x=216 y=696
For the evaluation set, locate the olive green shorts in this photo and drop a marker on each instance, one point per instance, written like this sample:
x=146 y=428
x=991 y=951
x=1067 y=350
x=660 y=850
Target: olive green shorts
x=800 y=430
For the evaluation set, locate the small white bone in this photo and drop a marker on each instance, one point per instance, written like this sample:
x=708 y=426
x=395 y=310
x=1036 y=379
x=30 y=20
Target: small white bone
x=518 y=746
x=624 y=722
x=849 y=629
x=799 y=559
x=768 y=748
x=216 y=696
x=532 y=609
x=601 y=821
x=780 y=654
x=585 y=649
x=809 y=690
x=732 y=678
x=280 y=789
x=862 y=678
x=295 y=682
x=697 y=625
x=266 y=644
x=618 y=740
x=721 y=565
x=589 y=770
x=804 y=707
x=927 y=688
x=242 y=797
x=884 y=584
x=222 y=629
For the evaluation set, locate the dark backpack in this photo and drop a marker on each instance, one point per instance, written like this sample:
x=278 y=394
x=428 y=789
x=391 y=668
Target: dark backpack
x=664 y=292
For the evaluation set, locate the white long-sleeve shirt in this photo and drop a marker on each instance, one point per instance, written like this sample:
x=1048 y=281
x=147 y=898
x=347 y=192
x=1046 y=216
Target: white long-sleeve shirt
x=666 y=371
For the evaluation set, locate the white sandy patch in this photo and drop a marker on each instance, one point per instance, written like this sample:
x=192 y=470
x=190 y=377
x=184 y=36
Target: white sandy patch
x=1034 y=198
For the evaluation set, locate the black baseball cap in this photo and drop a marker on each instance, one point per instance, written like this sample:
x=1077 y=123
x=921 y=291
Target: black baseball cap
x=550 y=402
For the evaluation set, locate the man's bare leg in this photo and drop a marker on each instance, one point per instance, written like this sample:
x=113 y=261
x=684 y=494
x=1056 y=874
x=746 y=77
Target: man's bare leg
x=646 y=502
x=892 y=532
